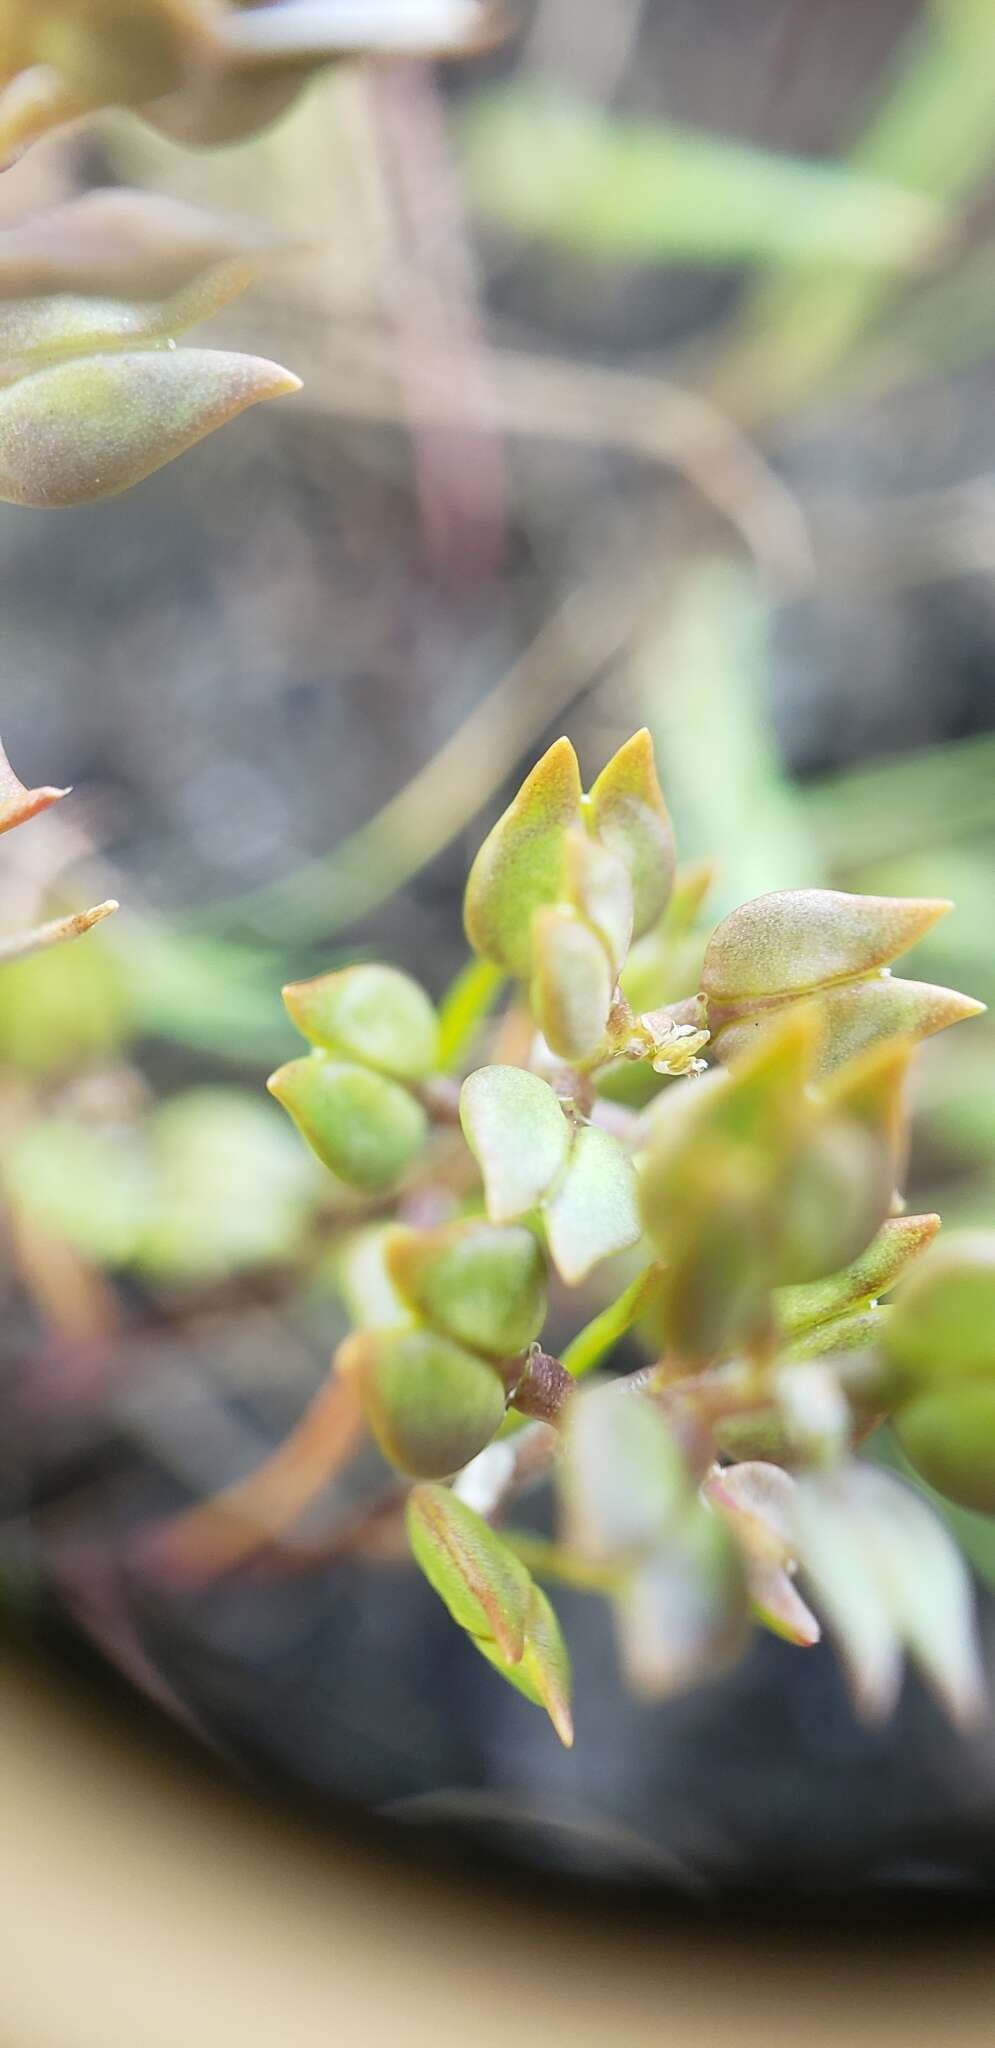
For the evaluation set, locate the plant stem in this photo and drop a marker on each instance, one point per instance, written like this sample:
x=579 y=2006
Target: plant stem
x=593 y=1343
x=466 y=1003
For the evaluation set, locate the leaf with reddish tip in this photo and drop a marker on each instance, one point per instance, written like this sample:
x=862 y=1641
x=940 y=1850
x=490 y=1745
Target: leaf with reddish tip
x=591 y=1212
x=18 y=804
x=859 y=1015
x=87 y=429
x=628 y=813
x=482 y=1284
x=899 y=1240
x=371 y=1013
x=778 y=1606
x=484 y=1585
x=755 y=1499
x=518 y=1135
x=542 y=1673
x=798 y=940
x=61 y=928
x=116 y=244
x=572 y=984
x=521 y=865
x=431 y=1404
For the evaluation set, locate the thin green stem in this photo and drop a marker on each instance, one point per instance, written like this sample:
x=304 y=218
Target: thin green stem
x=593 y=1343
x=547 y=1561
x=466 y=1003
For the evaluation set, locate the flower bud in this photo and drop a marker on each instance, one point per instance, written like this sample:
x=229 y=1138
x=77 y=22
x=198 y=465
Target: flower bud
x=431 y=1405
x=370 y=1013
x=480 y=1284
x=365 y=1128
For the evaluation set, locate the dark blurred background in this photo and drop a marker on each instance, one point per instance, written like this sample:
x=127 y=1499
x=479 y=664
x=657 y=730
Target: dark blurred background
x=649 y=377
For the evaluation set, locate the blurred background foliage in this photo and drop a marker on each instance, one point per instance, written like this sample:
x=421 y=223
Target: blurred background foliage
x=649 y=367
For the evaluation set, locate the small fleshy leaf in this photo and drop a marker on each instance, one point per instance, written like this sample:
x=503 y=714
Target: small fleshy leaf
x=18 y=804
x=599 y=888
x=834 y=1196
x=948 y=1436
x=483 y=1584
x=755 y=1499
x=592 y=1211
x=364 y=1281
x=796 y=940
x=858 y=1015
x=38 y=333
x=518 y=1135
x=899 y=1240
x=363 y=1126
x=370 y=1013
x=623 y=1478
x=87 y=429
x=483 y=1284
x=116 y=244
x=777 y=1604
x=683 y=1615
x=830 y=1544
x=430 y=1404
x=927 y=1588
x=572 y=984
x=543 y=1671
x=521 y=865
x=942 y=1326
x=627 y=812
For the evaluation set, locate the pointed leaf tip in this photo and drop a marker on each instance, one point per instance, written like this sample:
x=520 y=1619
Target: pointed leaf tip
x=86 y=429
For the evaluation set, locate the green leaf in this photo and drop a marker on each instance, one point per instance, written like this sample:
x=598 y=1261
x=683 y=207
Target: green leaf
x=860 y=1015
x=364 y=1127
x=626 y=810
x=591 y=182
x=797 y=940
x=942 y=1327
x=948 y=1435
x=489 y=1592
x=898 y=1241
x=480 y=1283
x=623 y=1478
x=543 y=1672
x=232 y=1188
x=431 y=1404
x=87 y=429
x=830 y=1544
x=591 y=1212
x=521 y=865
x=483 y=1584
x=38 y=332
x=572 y=984
x=518 y=1135
x=370 y=1013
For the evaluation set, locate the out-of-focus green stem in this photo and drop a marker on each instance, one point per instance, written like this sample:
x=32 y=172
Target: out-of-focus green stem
x=548 y=1561
x=466 y=1003
x=933 y=131
x=593 y=1343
